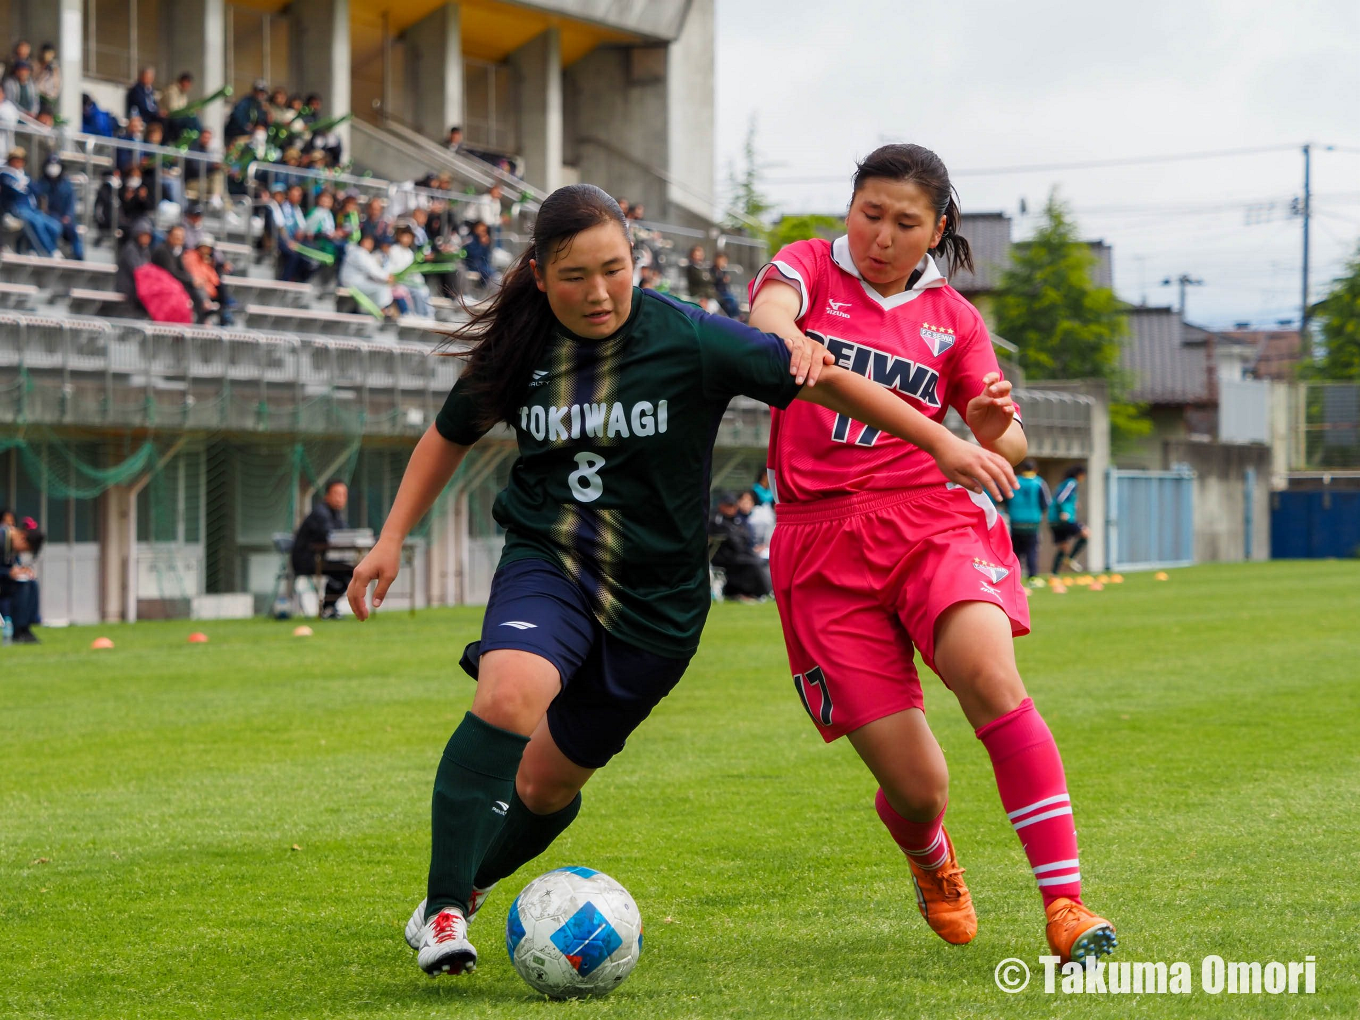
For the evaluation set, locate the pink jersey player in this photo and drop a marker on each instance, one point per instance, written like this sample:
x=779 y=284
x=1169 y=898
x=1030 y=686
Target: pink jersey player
x=876 y=555
x=926 y=343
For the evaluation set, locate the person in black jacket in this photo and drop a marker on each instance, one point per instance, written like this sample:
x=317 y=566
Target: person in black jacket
x=169 y=255
x=747 y=572
x=327 y=515
x=134 y=253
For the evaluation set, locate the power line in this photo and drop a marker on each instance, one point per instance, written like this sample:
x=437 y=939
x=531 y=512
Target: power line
x=1089 y=164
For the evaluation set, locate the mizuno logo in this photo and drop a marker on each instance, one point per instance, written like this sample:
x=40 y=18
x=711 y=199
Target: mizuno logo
x=834 y=308
x=990 y=590
x=519 y=625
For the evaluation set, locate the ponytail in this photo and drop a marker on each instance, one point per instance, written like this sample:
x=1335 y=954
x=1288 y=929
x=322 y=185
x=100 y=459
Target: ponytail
x=915 y=164
x=505 y=341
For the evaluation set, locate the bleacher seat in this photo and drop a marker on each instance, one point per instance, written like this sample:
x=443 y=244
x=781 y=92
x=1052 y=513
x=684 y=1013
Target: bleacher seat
x=84 y=301
x=57 y=275
x=306 y=320
x=262 y=291
x=17 y=295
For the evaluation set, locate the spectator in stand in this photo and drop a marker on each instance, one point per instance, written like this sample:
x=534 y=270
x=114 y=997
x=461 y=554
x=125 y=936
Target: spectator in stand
x=349 y=221
x=401 y=297
x=176 y=99
x=624 y=207
x=128 y=158
x=362 y=272
x=194 y=237
x=722 y=287
x=169 y=255
x=58 y=199
x=761 y=490
x=141 y=97
x=207 y=179
x=294 y=267
x=402 y=255
x=420 y=236
x=200 y=260
x=135 y=253
x=42 y=232
x=322 y=141
x=478 y=248
x=322 y=229
x=311 y=110
x=375 y=217
x=700 y=283
x=135 y=200
x=94 y=119
x=47 y=77
x=488 y=209
x=20 y=89
x=23 y=50
x=156 y=166
x=248 y=113
x=653 y=279
x=455 y=141
x=9 y=121
x=18 y=582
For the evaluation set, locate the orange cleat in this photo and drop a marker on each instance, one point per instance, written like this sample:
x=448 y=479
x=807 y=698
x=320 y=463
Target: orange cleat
x=1074 y=933
x=944 y=900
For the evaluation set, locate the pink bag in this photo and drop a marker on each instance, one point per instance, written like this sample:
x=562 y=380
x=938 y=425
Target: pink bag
x=163 y=297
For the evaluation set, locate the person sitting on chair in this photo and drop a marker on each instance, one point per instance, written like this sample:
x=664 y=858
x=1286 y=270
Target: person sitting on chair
x=18 y=584
x=327 y=515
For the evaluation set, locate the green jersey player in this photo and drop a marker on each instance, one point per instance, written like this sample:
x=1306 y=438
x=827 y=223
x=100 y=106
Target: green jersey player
x=615 y=396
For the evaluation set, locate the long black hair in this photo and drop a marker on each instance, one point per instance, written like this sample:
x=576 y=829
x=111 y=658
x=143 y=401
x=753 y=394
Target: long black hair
x=915 y=164
x=510 y=334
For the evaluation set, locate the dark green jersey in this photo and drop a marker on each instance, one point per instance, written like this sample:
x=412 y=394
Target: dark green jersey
x=615 y=443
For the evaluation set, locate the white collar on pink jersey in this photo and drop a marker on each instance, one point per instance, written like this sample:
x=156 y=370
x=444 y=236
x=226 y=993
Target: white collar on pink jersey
x=930 y=276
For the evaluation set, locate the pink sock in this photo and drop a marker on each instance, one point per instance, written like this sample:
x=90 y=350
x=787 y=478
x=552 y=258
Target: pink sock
x=1029 y=775
x=923 y=842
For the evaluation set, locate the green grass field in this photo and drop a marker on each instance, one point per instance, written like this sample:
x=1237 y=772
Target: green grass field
x=239 y=829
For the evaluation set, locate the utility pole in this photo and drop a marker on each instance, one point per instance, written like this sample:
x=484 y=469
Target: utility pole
x=1303 y=211
x=1183 y=281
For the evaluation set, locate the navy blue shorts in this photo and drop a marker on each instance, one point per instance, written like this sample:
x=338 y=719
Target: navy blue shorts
x=1063 y=530
x=608 y=685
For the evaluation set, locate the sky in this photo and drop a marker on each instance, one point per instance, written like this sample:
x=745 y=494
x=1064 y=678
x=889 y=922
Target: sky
x=991 y=85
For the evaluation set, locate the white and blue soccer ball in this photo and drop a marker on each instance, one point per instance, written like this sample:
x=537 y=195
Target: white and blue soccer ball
x=574 y=932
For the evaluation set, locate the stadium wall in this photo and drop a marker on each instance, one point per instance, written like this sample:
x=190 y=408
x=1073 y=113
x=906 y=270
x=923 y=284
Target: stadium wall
x=1232 y=498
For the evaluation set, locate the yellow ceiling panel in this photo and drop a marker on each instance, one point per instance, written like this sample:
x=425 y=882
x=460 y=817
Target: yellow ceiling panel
x=492 y=30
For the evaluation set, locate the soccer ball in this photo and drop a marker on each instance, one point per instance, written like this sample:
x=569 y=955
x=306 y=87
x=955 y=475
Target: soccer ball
x=574 y=932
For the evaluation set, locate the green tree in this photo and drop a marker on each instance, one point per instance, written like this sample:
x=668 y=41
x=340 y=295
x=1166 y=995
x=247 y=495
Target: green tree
x=1064 y=325
x=798 y=228
x=749 y=205
x=1338 y=316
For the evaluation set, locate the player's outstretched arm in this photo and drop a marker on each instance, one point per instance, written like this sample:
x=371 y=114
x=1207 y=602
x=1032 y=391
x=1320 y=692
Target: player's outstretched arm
x=775 y=310
x=961 y=462
x=432 y=464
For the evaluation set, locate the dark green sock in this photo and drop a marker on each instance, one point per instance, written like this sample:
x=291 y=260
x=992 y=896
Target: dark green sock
x=1076 y=549
x=523 y=837
x=472 y=793
x=1057 y=560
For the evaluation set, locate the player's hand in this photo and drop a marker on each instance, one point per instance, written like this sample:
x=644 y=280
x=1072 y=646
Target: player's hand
x=807 y=358
x=977 y=469
x=381 y=564
x=991 y=412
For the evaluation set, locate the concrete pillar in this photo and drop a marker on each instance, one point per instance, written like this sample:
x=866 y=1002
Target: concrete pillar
x=690 y=114
x=321 y=55
x=434 y=71
x=538 y=68
x=1094 y=491
x=118 y=505
x=199 y=29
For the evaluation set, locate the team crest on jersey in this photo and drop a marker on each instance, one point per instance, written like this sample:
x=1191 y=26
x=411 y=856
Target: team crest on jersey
x=990 y=571
x=938 y=338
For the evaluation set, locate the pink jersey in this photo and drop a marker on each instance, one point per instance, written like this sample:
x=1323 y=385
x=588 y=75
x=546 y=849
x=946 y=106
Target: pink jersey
x=928 y=344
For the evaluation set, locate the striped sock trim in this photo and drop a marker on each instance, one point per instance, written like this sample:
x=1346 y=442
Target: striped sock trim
x=1056 y=813
x=932 y=856
x=1060 y=879
x=1056 y=866
x=1060 y=798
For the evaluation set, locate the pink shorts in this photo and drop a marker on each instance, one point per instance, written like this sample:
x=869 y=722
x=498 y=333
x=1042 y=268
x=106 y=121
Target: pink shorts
x=861 y=580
